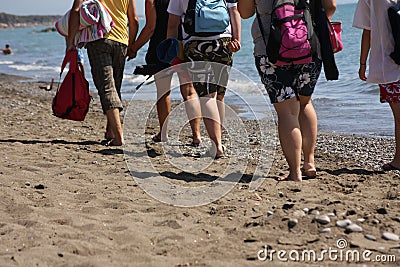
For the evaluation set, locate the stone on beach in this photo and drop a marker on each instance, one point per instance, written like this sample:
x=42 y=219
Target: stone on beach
x=353 y=228
x=325 y=230
x=322 y=219
x=299 y=213
x=390 y=236
x=292 y=222
x=343 y=223
x=370 y=237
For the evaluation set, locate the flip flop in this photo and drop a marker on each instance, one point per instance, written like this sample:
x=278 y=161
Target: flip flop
x=390 y=167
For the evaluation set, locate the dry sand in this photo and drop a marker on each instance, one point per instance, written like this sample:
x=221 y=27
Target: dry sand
x=67 y=200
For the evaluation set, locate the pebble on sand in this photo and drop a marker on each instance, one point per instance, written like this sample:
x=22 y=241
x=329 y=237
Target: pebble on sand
x=370 y=237
x=322 y=219
x=325 y=230
x=353 y=228
x=343 y=223
x=390 y=236
x=292 y=222
x=299 y=213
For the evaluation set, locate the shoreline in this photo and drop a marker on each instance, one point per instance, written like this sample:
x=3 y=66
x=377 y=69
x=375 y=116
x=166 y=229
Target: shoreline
x=68 y=200
x=93 y=91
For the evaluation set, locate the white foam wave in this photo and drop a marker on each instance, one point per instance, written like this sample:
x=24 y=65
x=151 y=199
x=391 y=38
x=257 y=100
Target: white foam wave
x=34 y=68
x=6 y=62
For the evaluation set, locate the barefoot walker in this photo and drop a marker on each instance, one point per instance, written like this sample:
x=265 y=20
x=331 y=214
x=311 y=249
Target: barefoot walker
x=289 y=70
x=377 y=41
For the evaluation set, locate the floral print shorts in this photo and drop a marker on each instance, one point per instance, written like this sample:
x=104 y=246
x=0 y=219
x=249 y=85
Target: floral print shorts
x=285 y=82
x=390 y=92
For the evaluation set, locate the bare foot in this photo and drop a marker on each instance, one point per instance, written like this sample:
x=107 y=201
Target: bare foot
x=290 y=179
x=310 y=173
x=309 y=170
x=157 y=138
x=196 y=142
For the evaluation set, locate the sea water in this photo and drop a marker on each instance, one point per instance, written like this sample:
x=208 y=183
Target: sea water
x=347 y=106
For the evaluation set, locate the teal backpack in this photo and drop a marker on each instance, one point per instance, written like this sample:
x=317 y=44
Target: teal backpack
x=206 y=17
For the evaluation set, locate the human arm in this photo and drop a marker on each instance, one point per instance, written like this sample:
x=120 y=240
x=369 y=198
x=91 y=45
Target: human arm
x=330 y=7
x=133 y=25
x=73 y=24
x=236 y=24
x=365 y=46
x=246 y=8
x=173 y=24
x=149 y=27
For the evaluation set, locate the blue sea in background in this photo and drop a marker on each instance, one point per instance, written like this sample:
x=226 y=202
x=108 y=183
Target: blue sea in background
x=347 y=106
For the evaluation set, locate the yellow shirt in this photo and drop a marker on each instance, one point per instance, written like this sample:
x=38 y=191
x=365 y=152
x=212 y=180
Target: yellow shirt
x=118 y=10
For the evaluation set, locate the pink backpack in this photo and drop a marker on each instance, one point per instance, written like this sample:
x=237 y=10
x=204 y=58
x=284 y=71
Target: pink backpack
x=292 y=39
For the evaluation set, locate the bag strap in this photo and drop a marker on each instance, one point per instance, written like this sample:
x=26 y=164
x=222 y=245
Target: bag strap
x=328 y=59
x=260 y=26
x=71 y=56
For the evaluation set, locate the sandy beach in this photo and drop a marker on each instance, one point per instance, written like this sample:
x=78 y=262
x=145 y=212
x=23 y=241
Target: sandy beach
x=67 y=200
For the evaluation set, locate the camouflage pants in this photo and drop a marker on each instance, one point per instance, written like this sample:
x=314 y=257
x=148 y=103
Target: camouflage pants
x=207 y=75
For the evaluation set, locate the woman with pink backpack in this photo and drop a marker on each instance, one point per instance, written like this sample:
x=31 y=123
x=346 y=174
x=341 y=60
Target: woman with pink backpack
x=289 y=70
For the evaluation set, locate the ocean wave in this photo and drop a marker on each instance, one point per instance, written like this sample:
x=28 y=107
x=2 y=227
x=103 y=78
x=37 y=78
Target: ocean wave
x=6 y=62
x=34 y=68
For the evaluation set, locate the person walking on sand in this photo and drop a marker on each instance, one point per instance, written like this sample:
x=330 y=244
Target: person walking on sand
x=290 y=88
x=217 y=48
x=107 y=59
x=155 y=30
x=377 y=42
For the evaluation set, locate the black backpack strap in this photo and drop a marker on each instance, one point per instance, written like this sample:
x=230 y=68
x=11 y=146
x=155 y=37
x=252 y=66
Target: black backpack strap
x=328 y=59
x=190 y=10
x=140 y=85
x=260 y=26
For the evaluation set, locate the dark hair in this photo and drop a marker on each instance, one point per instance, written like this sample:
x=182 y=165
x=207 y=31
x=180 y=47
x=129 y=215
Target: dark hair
x=7 y=45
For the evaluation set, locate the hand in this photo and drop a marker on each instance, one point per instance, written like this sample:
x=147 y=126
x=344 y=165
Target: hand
x=70 y=47
x=132 y=53
x=361 y=72
x=234 y=45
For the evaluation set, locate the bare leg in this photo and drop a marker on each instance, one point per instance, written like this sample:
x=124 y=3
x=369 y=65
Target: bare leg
x=290 y=135
x=109 y=135
x=309 y=129
x=221 y=108
x=396 y=114
x=211 y=118
x=163 y=105
x=115 y=127
x=193 y=110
